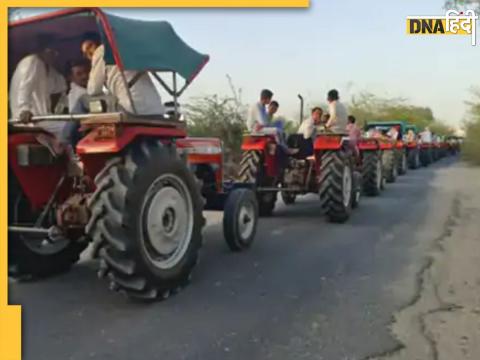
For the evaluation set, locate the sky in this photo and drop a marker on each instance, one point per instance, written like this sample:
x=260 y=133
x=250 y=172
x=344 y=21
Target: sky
x=349 y=45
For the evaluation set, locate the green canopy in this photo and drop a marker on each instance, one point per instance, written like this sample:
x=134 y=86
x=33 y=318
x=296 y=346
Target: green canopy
x=152 y=45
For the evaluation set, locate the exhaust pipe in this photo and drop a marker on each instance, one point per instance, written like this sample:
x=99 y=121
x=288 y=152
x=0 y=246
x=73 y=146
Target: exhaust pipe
x=301 y=107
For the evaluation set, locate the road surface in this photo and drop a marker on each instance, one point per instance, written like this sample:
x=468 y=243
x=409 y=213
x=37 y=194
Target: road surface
x=306 y=290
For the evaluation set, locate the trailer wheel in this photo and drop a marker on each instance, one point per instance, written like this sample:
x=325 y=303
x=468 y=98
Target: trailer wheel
x=30 y=256
x=147 y=216
x=240 y=219
x=252 y=172
x=372 y=174
x=336 y=185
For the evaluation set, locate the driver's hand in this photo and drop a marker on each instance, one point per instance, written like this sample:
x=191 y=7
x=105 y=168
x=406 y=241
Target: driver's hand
x=25 y=116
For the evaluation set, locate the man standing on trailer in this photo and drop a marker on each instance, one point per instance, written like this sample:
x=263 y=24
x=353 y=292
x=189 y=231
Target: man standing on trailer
x=338 y=113
x=258 y=116
x=146 y=100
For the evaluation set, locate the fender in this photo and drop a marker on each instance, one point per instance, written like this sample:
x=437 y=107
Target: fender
x=105 y=140
x=412 y=145
x=399 y=144
x=329 y=142
x=37 y=181
x=368 y=144
x=258 y=143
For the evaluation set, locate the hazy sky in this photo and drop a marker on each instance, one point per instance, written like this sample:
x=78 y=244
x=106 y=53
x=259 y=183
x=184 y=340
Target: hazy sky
x=349 y=45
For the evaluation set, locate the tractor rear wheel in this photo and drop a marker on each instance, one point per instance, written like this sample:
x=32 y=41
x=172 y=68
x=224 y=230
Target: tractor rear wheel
x=402 y=162
x=147 y=218
x=390 y=166
x=31 y=256
x=336 y=185
x=372 y=174
x=413 y=159
x=252 y=172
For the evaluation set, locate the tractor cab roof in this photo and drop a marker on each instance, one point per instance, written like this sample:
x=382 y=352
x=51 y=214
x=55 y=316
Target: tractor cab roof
x=130 y=44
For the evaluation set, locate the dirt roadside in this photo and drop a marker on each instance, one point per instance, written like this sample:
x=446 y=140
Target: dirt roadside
x=443 y=320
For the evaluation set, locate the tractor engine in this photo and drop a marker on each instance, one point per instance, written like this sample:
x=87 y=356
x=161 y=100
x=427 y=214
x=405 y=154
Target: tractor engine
x=294 y=176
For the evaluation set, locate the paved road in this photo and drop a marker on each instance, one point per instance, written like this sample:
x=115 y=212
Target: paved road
x=306 y=290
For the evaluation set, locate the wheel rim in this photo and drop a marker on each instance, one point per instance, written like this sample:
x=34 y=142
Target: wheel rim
x=379 y=175
x=347 y=186
x=167 y=221
x=246 y=220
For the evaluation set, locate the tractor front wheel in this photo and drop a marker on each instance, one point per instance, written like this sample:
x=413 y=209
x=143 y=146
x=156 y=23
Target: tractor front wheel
x=147 y=218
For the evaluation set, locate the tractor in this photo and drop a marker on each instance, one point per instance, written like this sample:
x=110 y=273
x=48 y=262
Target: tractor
x=330 y=171
x=413 y=147
x=126 y=188
x=395 y=150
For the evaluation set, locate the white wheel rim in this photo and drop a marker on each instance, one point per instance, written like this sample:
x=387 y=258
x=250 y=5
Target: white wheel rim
x=167 y=221
x=347 y=186
x=246 y=220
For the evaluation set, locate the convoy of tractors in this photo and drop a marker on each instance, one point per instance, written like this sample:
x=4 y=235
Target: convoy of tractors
x=136 y=186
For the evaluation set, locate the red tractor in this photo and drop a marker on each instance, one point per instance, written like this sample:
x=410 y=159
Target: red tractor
x=330 y=171
x=127 y=187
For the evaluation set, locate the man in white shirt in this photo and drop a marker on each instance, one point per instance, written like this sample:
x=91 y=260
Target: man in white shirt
x=426 y=135
x=308 y=126
x=257 y=116
x=145 y=97
x=338 y=113
x=34 y=81
x=78 y=72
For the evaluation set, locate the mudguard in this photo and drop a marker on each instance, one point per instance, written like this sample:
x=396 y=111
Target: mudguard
x=412 y=145
x=399 y=144
x=329 y=142
x=105 y=140
x=368 y=144
x=258 y=143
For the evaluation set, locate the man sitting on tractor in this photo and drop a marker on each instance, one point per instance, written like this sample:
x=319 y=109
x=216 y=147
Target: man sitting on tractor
x=258 y=117
x=354 y=132
x=145 y=98
x=34 y=82
x=308 y=130
x=338 y=113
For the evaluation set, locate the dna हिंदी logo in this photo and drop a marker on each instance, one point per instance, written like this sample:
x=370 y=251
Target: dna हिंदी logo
x=453 y=23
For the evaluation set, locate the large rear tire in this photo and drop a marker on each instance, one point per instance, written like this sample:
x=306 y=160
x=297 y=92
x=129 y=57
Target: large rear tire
x=336 y=185
x=390 y=166
x=252 y=172
x=147 y=217
x=34 y=257
x=372 y=174
x=402 y=162
x=413 y=159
